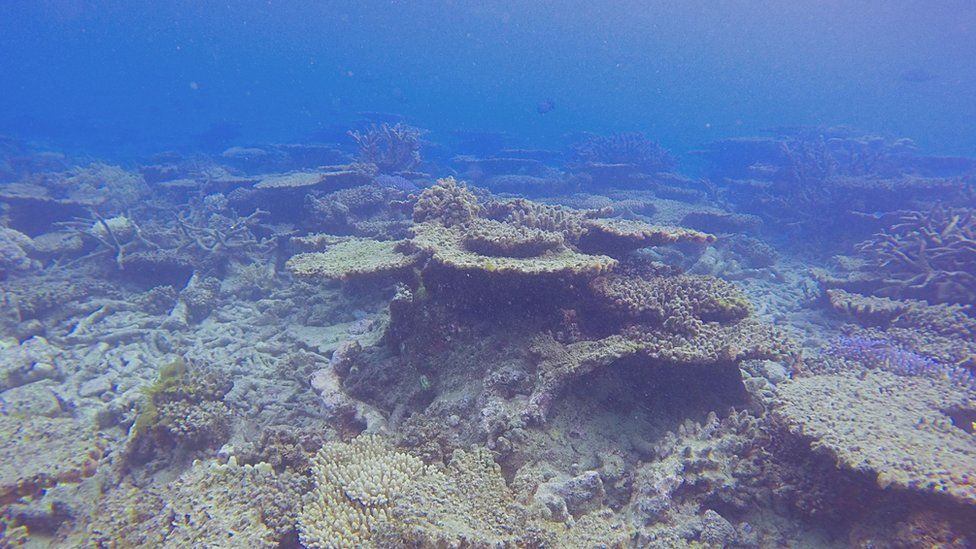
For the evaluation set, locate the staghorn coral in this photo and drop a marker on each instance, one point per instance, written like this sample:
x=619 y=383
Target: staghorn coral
x=40 y=452
x=927 y=255
x=493 y=238
x=352 y=258
x=899 y=429
x=446 y=202
x=391 y=149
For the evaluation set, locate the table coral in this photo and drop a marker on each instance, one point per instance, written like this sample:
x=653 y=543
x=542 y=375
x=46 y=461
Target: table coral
x=447 y=247
x=493 y=238
x=352 y=258
x=616 y=237
x=900 y=429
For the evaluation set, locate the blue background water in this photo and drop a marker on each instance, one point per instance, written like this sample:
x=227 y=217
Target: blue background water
x=123 y=78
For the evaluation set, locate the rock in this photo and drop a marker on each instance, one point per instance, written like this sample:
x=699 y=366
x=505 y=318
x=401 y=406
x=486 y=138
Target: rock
x=95 y=386
x=577 y=495
x=716 y=530
x=35 y=399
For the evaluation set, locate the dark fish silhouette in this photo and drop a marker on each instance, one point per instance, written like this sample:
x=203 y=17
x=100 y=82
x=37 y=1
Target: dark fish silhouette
x=545 y=106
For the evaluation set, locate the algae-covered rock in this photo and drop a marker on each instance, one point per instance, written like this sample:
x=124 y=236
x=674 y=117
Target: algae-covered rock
x=39 y=452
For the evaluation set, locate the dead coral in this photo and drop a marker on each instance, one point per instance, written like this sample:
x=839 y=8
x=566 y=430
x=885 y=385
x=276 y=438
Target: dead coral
x=40 y=452
x=211 y=505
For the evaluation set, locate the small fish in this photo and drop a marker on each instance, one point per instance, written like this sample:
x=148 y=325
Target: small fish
x=545 y=106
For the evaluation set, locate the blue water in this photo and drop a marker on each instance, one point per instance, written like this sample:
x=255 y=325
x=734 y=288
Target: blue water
x=129 y=78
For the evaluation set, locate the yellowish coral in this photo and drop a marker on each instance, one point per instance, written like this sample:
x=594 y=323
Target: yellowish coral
x=896 y=427
x=447 y=202
x=446 y=245
x=352 y=258
x=357 y=486
x=618 y=236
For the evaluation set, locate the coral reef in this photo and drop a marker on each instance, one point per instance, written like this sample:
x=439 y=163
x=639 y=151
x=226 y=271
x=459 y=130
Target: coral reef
x=211 y=504
x=900 y=429
x=630 y=149
x=616 y=237
x=944 y=333
x=493 y=238
x=368 y=493
x=447 y=202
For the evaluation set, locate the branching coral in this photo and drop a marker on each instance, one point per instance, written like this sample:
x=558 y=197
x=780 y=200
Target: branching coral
x=368 y=493
x=447 y=202
x=928 y=255
x=624 y=148
x=392 y=149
